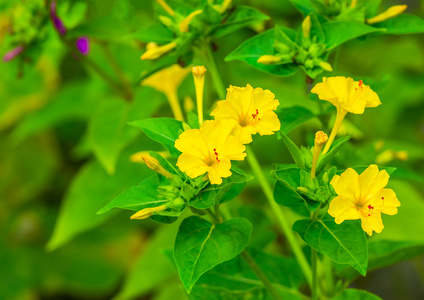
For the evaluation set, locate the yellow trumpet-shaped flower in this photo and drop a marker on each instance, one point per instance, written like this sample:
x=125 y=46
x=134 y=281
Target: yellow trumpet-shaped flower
x=250 y=111
x=363 y=197
x=391 y=12
x=199 y=82
x=167 y=82
x=209 y=149
x=346 y=95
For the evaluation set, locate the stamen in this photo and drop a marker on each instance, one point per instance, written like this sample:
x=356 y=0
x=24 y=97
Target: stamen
x=255 y=115
x=216 y=153
x=370 y=207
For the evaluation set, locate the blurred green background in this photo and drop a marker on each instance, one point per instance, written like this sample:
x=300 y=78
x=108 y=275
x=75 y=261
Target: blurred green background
x=57 y=150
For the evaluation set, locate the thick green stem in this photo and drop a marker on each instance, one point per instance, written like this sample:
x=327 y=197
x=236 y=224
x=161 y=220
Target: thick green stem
x=314 y=260
x=213 y=69
x=297 y=251
x=267 y=284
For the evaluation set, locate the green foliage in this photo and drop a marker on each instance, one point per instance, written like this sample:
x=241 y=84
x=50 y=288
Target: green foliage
x=200 y=246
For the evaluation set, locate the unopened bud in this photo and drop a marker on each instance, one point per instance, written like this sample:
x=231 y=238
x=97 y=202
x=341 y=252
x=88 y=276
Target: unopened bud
x=138 y=157
x=224 y=6
x=402 y=155
x=325 y=66
x=268 y=59
x=166 y=7
x=158 y=51
x=147 y=212
x=391 y=12
x=186 y=22
x=353 y=3
x=151 y=45
x=199 y=82
x=168 y=22
x=13 y=53
x=306 y=27
x=320 y=139
x=153 y=164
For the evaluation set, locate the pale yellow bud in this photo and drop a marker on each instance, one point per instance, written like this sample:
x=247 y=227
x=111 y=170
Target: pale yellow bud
x=224 y=6
x=325 y=66
x=138 y=156
x=153 y=164
x=268 y=59
x=320 y=139
x=151 y=45
x=166 y=7
x=158 y=51
x=385 y=157
x=391 y=12
x=199 y=83
x=184 y=23
x=353 y=3
x=147 y=212
x=306 y=27
x=402 y=155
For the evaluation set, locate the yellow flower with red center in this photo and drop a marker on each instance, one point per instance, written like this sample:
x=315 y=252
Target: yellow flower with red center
x=250 y=111
x=346 y=95
x=363 y=197
x=209 y=149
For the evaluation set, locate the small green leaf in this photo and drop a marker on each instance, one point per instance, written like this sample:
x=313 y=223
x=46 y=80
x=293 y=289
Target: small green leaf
x=354 y=294
x=200 y=246
x=339 y=32
x=402 y=24
x=154 y=33
x=335 y=147
x=294 y=150
x=292 y=117
x=161 y=130
x=137 y=197
x=344 y=243
x=262 y=44
x=239 y=18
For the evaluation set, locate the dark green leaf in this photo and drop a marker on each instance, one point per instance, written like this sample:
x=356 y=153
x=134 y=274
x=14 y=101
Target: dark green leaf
x=344 y=243
x=154 y=33
x=292 y=117
x=354 y=294
x=161 y=130
x=200 y=246
x=402 y=24
x=294 y=150
x=335 y=147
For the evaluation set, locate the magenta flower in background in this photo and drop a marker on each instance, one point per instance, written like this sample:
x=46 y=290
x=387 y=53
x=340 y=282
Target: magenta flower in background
x=12 y=53
x=57 y=22
x=83 y=45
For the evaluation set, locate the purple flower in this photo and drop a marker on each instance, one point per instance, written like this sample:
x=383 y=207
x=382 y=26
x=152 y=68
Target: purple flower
x=83 y=45
x=12 y=53
x=57 y=22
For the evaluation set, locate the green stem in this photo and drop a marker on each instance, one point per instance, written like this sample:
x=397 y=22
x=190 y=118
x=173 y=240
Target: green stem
x=314 y=259
x=297 y=251
x=213 y=68
x=267 y=284
x=329 y=276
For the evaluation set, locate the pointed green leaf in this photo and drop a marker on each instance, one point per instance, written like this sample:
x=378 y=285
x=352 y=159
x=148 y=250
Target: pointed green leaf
x=402 y=24
x=335 y=147
x=354 y=294
x=294 y=150
x=292 y=117
x=200 y=246
x=161 y=130
x=344 y=243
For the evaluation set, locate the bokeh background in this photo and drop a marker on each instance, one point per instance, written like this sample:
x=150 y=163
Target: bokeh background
x=54 y=137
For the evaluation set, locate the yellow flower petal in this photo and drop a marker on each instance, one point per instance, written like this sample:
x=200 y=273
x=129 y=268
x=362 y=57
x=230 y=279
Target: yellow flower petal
x=343 y=209
x=192 y=165
x=372 y=223
x=387 y=202
x=372 y=181
x=347 y=184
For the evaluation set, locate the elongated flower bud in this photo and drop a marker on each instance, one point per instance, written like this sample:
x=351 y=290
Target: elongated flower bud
x=12 y=53
x=199 y=82
x=224 y=6
x=391 y=12
x=159 y=51
x=83 y=45
x=306 y=27
x=153 y=164
x=147 y=212
x=186 y=22
x=326 y=66
x=166 y=7
x=268 y=59
x=320 y=139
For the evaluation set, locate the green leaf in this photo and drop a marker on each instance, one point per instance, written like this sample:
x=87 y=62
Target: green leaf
x=344 y=243
x=162 y=130
x=354 y=294
x=230 y=188
x=294 y=150
x=402 y=24
x=239 y=18
x=304 y=6
x=262 y=44
x=335 y=147
x=157 y=33
x=339 y=32
x=292 y=117
x=91 y=189
x=137 y=197
x=200 y=246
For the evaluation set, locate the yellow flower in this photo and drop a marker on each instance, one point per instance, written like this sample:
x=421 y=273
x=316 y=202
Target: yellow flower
x=209 y=149
x=391 y=12
x=250 y=111
x=167 y=82
x=363 y=197
x=346 y=95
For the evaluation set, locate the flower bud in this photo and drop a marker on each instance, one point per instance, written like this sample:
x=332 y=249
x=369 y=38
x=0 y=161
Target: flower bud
x=268 y=59
x=320 y=139
x=147 y=212
x=325 y=66
x=158 y=51
x=166 y=21
x=224 y=6
x=166 y=7
x=306 y=27
x=199 y=82
x=12 y=53
x=186 y=22
x=83 y=45
x=391 y=12
x=153 y=164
